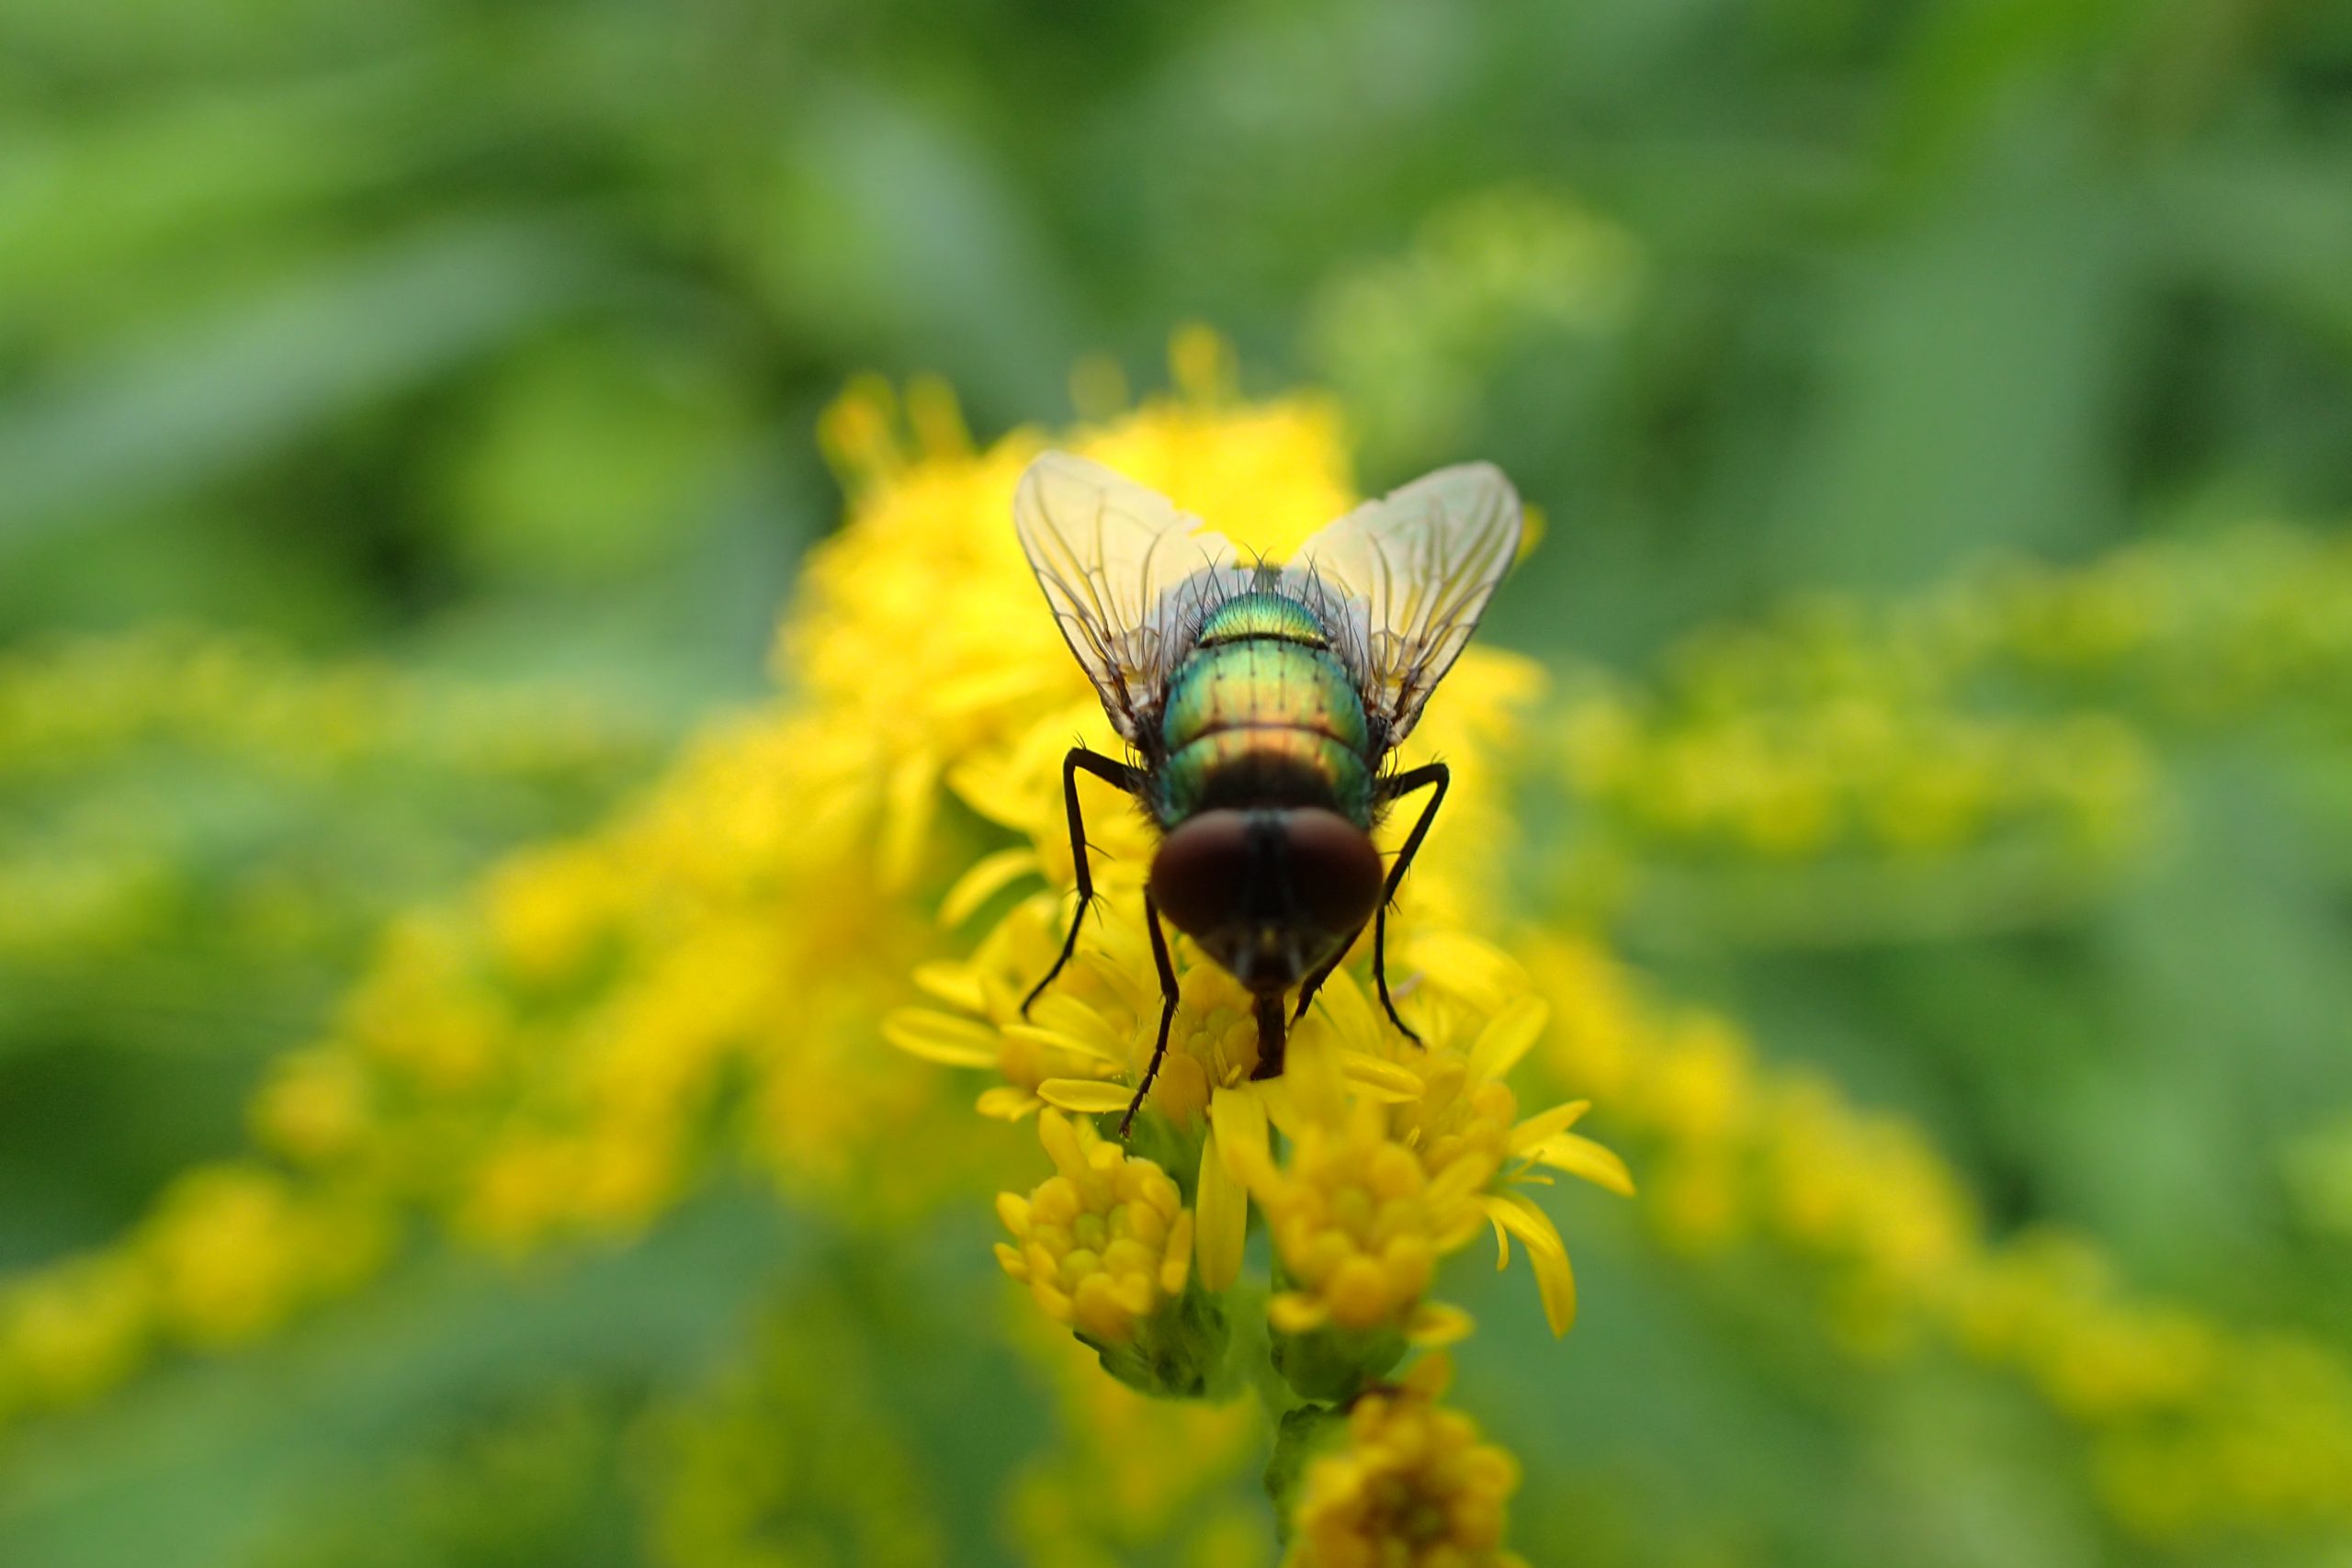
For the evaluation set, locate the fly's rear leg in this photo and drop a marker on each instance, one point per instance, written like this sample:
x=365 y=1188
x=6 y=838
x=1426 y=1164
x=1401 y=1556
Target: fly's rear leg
x=1120 y=776
x=1166 y=1010
x=1430 y=775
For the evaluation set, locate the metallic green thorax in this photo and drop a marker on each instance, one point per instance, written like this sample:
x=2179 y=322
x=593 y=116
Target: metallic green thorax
x=1262 y=713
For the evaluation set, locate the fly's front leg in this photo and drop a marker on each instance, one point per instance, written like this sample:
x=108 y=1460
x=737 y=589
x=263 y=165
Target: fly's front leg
x=1167 y=1011
x=1114 y=774
x=1314 y=982
x=1404 y=783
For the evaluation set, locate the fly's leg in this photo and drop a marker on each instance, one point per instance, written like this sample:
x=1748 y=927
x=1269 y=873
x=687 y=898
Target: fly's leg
x=1272 y=1039
x=1167 y=1011
x=1116 y=773
x=1404 y=783
x=1314 y=982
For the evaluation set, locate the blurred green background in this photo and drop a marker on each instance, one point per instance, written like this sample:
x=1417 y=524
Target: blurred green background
x=463 y=361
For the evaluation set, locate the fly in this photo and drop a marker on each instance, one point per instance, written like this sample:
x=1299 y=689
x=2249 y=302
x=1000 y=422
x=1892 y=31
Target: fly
x=1262 y=704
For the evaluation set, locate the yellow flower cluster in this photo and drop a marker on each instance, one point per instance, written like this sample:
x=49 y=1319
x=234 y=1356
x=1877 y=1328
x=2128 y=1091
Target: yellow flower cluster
x=1408 y=1485
x=1389 y=1157
x=2191 y=1426
x=552 y=1057
x=1361 y=1223
x=230 y=1253
x=1379 y=1188
x=2191 y=627
x=1102 y=1243
x=1880 y=768
x=571 y=1050
x=87 y=877
x=1842 y=730
x=70 y=707
x=2195 y=629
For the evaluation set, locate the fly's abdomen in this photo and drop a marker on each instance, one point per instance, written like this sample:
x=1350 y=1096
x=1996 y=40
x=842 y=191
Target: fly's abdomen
x=1263 y=719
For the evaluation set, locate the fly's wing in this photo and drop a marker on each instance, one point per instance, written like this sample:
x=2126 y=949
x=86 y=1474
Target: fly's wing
x=1127 y=575
x=1402 y=581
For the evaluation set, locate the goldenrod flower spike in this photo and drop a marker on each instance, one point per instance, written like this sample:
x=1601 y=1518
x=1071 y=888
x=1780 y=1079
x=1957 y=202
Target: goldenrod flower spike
x=1405 y=1484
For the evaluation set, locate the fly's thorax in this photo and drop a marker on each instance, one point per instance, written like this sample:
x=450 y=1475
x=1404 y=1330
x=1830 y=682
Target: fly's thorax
x=1261 y=613
x=1263 y=681
x=1269 y=893
x=1261 y=712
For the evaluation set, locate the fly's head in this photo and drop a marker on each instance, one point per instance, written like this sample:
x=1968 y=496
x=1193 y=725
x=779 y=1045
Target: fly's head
x=1270 y=894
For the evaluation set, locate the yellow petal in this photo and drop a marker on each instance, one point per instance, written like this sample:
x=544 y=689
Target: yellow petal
x=1428 y=1376
x=1381 y=1080
x=990 y=875
x=1545 y=1253
x=1006 y=1103
x=1316 y=1084
x=908 y=801
x=1436 y=1322
x=1465 y=966
x=990 y=789
x=1281 y=1108
x=1088 y=1097
x=1136 y=1294
x=1065 y=1014
x=1508 y=1036
x=980 y=690
x=1222 y=1224
x=1557 y=1283
x=1179 y=1261
x=1347 y=1009
x=1063 y=1146
x=1544 y=1125
x=940 y=1037
x=1055 y=1038
x=1579 y=1155
x=1531 y=1224
x=953 y=983
x=1469 y=1172
x=1013 y=1209
x=1239 y=1118
x=1293 y=1313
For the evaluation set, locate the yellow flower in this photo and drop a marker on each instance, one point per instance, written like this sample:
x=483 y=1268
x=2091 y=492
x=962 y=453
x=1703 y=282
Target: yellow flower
x=234 y=1250
x=560 y=1053
x=1361 y=1225
x=69 y=1334
x=1087 y=1042
x=1412 y=1486
x=1105 y=1242
x=1448 y=1107
x=1468 y=1107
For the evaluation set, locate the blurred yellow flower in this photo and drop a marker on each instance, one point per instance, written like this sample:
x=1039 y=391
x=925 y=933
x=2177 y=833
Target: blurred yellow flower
x=1409 y=1486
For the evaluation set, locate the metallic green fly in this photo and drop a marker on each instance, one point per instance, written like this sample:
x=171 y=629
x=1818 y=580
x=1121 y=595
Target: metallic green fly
x=1263 y=704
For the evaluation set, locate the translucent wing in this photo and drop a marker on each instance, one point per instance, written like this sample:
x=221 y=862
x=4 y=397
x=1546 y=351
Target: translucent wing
x=1403 y=580
x=1127 y=575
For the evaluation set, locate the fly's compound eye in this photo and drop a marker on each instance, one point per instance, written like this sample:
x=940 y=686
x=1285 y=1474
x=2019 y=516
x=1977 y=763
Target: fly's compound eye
x=1201 y=877
x=1225 y=875
x=1332 y=868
